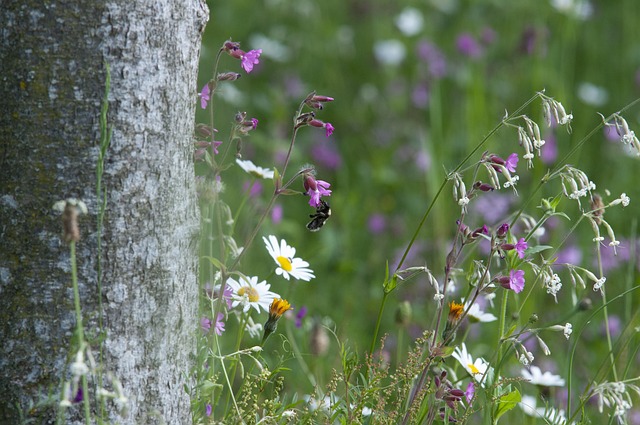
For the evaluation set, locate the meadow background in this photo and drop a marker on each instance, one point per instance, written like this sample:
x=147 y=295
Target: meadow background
x=417 y=84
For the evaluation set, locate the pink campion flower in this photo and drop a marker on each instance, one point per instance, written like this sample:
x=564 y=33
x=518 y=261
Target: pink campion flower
x=512 y=162
x=321 y=190
x=326 y=125
x=218 y=328
x=471 y=389
x=205 y=96
x=315 y=101
x=514 y=282
x=205 y=324
x=502 y=231
x=329 y=129
x=520 y=247
x=315 y=189
x=249 y=59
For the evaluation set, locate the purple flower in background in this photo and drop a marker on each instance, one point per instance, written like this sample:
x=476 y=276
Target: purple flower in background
x=610 y=260
x=327 y=155
x=488 y=35
x=549 y=152
x=420 y=96
x=205 y=96
x=534 y=40
x=570 y=255
x=300 y=315
x=615 y=326
x=492 y=206
x=209 y=410
x=254 y=188
x=276 y=214
x=430 y=54
x=376 y=223
x=468 y=46
x=250 y=59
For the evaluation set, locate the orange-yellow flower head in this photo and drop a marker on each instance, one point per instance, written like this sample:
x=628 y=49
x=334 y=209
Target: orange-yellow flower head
x=278 y=307
x=455 y=311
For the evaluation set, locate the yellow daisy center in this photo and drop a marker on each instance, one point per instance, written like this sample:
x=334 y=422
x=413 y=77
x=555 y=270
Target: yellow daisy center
x=285 y=263
x=473 y=368
x=252 y=293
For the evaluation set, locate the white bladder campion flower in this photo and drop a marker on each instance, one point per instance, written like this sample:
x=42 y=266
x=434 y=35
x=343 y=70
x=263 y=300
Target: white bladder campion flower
x=284 y=256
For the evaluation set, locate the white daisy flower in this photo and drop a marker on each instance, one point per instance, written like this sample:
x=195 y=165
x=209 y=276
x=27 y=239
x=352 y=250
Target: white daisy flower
x=249 y=293
x=535 y=376
x=476 y=368
x=254 y=170
x=283 y=255
x=476 y=315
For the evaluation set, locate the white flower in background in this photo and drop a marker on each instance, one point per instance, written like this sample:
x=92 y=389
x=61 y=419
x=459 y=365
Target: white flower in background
x=410 y=21
x=284 y=256
x=528 y=404
x=581 y=9
x=247 y=293
x=592 y=95
x=254 y=170
x=253 y=329
x=476 y=368
x=389 y=52
x=535 y=376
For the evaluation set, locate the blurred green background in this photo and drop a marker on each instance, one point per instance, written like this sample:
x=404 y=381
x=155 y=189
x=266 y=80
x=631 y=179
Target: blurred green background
x=417 y=84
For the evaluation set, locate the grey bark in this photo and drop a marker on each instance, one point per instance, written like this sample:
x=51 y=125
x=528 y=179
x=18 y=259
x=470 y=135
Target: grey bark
x=52 y=78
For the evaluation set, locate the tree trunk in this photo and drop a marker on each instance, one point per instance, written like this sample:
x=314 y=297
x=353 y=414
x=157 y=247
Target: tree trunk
x=52 y=70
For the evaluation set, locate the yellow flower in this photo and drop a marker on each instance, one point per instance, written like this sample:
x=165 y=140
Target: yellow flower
x=455 y=311
x=278 y=307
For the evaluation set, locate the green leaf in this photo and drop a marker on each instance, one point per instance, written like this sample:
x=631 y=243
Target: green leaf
x=539 y=248
x=277 y=180
x=506 y=403
x=290 y=192
x=217 y=263
x=512 y=329
x=390 y=284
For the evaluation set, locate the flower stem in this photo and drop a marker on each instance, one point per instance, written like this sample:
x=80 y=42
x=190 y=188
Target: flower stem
x=79 y=328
